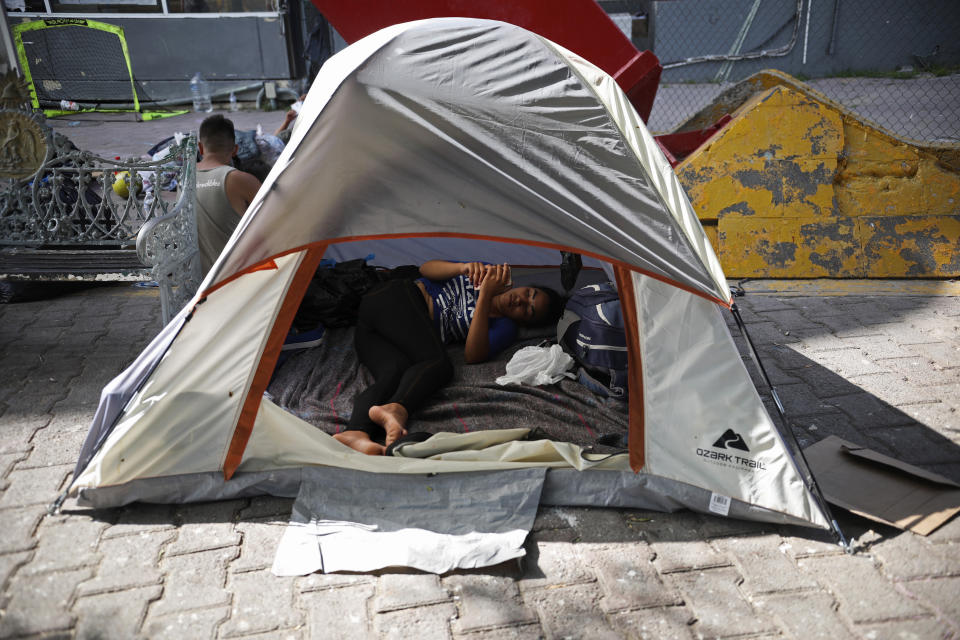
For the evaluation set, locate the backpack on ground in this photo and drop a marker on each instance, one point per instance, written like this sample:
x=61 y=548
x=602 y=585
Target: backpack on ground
x=591 y=329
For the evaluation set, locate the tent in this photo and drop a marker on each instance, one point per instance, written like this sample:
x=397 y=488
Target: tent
x=459 y=139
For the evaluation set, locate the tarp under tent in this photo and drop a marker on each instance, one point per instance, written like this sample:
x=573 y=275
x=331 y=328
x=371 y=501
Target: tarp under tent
x=456 y=139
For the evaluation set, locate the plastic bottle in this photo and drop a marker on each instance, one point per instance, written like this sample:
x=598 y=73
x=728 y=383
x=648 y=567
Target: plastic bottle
x=69 y=105
x=200 y=91
x=233 y=101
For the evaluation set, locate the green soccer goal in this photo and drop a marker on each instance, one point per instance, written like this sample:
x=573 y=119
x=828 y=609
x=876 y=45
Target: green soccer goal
x=78 y=61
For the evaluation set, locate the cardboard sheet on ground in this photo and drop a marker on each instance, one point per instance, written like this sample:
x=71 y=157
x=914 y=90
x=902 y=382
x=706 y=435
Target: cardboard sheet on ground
x=882 y=488
x=346 y=520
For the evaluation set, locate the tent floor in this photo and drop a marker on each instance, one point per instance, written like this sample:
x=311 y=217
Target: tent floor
x=320 y=384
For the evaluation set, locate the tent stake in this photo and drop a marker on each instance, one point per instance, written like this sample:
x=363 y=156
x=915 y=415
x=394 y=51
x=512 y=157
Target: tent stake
x=54 y=507
x=811 y=481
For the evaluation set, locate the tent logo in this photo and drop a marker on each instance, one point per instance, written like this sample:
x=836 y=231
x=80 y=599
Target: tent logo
x=731 y=440
x=728 y=441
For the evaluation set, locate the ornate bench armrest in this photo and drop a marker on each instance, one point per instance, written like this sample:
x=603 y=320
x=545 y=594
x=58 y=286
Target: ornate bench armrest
x=168 y=243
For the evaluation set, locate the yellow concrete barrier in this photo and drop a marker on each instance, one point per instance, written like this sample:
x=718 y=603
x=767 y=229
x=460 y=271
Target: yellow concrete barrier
x=797 y=186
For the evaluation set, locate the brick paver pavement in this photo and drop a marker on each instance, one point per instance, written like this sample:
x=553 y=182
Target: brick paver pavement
x=884 y=371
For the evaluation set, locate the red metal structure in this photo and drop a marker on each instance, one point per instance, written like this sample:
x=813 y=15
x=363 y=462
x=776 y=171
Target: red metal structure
x=677 y=146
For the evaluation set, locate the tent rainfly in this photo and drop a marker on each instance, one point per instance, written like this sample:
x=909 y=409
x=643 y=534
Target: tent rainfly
x=456 y=139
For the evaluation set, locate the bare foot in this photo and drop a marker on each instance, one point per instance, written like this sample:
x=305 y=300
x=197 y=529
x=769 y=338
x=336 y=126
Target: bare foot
x=393 y=418
x=360 y=441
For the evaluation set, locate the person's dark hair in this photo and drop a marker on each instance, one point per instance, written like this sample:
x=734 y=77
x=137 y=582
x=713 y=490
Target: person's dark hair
x=555 y=305
x=217 y=134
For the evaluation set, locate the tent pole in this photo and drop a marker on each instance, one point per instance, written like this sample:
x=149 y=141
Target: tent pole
x=756 y=358
x=811 y=481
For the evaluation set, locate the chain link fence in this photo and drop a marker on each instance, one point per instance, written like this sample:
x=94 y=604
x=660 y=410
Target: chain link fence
x=894 y=63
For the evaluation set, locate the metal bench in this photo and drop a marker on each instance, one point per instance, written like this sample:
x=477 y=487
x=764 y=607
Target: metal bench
x=66 y=214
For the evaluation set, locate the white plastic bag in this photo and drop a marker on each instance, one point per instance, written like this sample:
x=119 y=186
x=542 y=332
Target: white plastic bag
x=538 y=366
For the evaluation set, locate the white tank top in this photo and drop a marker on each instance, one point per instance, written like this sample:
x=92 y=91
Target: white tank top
x=216 y=217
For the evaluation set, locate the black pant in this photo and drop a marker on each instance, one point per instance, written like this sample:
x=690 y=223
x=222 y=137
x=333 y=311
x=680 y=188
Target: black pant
x=397 y=342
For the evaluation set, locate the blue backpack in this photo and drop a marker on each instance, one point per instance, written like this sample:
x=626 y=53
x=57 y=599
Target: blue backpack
x=592 y=331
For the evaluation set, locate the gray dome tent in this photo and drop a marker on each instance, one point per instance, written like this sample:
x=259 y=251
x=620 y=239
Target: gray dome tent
x=458 y=139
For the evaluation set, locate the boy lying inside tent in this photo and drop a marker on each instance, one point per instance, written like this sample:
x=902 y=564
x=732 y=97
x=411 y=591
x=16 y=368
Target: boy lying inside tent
x=402 y=328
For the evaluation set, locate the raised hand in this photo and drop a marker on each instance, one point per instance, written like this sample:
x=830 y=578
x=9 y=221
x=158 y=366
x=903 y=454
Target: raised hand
x=496 y=279
x=475 y=272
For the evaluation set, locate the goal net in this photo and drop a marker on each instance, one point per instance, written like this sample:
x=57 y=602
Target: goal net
x=76 y=60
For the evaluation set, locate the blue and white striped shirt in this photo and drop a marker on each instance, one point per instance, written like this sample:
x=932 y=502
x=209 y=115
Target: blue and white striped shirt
x=454 y=303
